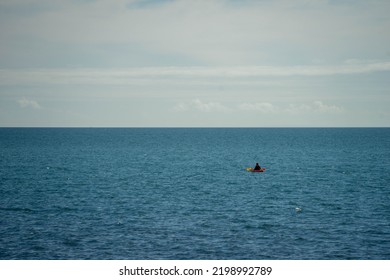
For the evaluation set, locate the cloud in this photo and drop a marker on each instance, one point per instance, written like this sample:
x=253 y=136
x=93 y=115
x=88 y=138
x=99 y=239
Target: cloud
x=263 y=107
x=204 y=32
x=198 y=105
x=298 y=109
x=26 y=103
x=209 y=107
x=314 y=107
x=217 y=56
x=147 y=75
x=321 y=107
x=181 y=107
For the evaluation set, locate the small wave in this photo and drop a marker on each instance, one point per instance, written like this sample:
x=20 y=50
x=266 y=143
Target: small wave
x=16 y=209
x=64 y=209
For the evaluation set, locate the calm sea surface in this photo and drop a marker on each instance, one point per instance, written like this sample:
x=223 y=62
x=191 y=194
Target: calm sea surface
x=185 y=194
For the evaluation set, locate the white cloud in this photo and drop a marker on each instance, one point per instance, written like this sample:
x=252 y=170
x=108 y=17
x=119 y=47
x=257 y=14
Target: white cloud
x=321 y=107
x=298 y=109
x=305 y=108
x=263 y=107
x=27 y=103
x=198 y=105
x=315 y=107
x=181 y=107
x=209 y=106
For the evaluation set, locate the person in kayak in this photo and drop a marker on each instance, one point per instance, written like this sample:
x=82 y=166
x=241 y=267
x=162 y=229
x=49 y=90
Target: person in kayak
x=257 y=167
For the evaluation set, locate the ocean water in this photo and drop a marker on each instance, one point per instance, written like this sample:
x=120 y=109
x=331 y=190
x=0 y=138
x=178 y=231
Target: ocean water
x=151 y=193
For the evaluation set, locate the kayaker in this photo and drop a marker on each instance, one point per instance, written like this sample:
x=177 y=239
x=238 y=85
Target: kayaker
x=257 y=167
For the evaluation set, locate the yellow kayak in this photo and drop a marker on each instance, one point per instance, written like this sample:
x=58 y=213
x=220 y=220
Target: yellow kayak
x=250 y=169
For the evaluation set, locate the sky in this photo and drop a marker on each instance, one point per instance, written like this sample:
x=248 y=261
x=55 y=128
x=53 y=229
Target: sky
x=176 y=63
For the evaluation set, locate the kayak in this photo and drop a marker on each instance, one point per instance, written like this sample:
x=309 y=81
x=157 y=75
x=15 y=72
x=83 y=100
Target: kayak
x=250 y=169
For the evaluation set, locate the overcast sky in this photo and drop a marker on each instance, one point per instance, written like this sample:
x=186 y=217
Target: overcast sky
x=144 y=63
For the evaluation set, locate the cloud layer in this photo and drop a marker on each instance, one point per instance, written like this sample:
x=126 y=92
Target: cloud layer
x=130 y=33
x=259 y=107
x=194 y=63
x=146 y=74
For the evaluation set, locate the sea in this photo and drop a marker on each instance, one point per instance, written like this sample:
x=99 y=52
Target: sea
x=184 y=193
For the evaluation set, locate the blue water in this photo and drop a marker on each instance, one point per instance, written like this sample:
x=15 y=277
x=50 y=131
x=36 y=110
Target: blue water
x=184 y=193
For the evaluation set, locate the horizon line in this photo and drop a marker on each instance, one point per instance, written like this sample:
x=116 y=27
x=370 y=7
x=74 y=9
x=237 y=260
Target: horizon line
x=187 y=127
